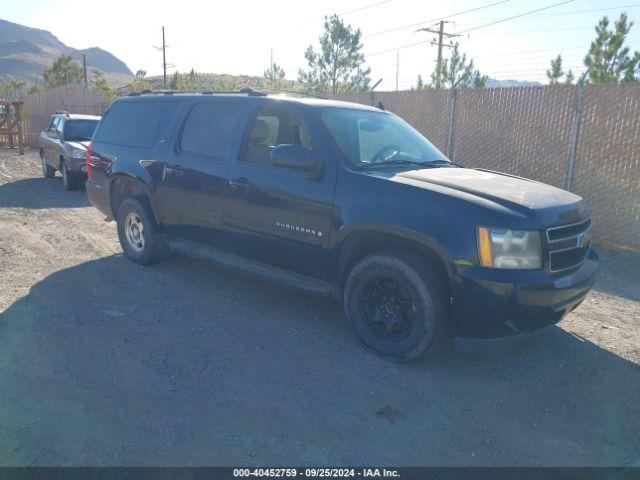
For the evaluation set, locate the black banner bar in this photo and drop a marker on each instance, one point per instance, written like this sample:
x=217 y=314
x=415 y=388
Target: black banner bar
x=397 y=473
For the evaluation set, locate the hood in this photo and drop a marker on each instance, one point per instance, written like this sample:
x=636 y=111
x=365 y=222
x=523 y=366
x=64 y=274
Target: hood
x=509 y=191
x=79 y=145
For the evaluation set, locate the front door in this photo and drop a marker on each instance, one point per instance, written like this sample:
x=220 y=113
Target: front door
x=194 y=178
x=276 y=215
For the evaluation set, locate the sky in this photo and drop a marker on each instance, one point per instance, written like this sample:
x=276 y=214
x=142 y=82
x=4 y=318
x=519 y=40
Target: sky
x=238 y=37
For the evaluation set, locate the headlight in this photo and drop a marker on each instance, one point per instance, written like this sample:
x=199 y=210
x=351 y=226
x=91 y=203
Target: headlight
x=504 y=248
x=77 y=153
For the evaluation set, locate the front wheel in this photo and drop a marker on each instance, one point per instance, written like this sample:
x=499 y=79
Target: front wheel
x=397 y=305
x=68 y=180
x=138 y=232
x=47 y=171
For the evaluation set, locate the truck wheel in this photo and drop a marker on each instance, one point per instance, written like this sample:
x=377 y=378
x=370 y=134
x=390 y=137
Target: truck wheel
x=397 y=306
x=68 y=180
x=47 y=171
x=138 y=231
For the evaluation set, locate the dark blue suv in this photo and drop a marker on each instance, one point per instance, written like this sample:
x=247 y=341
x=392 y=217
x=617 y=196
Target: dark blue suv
x=342 y=200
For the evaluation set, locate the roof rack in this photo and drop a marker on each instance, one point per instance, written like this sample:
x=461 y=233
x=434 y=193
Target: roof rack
x=252 y=92
x=62 y=112
x=247 y=91
x=293 y=92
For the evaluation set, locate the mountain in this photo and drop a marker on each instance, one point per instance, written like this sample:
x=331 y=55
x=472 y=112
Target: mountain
x=493 y=83
x=26 y=52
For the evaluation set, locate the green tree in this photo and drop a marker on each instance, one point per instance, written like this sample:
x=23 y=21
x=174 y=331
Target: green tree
x=420 y=83
x=99 y=84
x=555 y=73
x=339 y=65
x=275 y=74
x=63 y=71
x=187 y=81
x=608 y=60
x=140 y=83
x=569 y=78
x=12 y=88
x=457 y=72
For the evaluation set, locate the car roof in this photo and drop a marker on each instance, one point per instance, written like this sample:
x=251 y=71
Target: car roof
x=289 y=97
x=76 y=116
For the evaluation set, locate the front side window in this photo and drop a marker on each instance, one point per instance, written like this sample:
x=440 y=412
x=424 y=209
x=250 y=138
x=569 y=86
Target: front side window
x=55 y=123
x=208 y=129
x=79 y=130
x=375 y=138
x=273 y=127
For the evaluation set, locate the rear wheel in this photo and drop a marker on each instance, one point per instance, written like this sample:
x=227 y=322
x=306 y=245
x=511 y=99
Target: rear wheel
x=47 y=171
x=397 y=306
x=138 y=231
x=69 y=181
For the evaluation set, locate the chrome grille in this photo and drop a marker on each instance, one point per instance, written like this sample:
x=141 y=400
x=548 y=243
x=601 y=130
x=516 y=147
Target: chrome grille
x=568 y=245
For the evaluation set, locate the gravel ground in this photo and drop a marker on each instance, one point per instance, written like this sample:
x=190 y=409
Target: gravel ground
x=104 y=362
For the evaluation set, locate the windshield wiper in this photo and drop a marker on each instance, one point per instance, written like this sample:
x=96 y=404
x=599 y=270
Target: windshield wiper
x=401 y=163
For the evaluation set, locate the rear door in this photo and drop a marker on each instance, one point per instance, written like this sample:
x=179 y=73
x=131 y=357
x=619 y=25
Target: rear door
x=275 y=215
x=195 y=174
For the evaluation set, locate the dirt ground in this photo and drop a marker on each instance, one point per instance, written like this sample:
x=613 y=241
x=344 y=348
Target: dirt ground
x=104 y=362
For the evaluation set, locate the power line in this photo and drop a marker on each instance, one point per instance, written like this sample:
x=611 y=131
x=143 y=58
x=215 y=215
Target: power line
x=365 y=7
x=556 y=49
x=435 y=19
x=576 y=12
x=516 y=16
x=476 y=28
x=402 y=47
x=359 y=9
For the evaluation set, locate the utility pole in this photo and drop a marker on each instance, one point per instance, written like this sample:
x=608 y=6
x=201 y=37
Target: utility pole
x=397 y=68
x=441 y=34
x=164 y=62
x=84 y=69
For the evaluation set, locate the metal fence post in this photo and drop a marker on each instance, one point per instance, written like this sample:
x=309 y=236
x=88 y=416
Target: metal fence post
x=452 y=115
x=575 y=134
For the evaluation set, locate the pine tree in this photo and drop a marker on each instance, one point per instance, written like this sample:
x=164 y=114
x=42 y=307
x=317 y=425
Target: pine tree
x=339 y=65
x=457 y=72
x=275 y=73
x=555 y=73
x=608 y=60
x=64 y=70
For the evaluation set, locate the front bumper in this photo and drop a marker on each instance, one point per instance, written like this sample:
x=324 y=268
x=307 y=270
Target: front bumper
x=76 y=165
x=492 y=303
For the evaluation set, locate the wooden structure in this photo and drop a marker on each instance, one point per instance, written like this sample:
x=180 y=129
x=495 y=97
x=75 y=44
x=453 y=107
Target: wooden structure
x=11 y=124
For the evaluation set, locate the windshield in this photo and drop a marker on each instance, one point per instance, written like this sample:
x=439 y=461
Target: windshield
x=79 y=129
x=377 y=138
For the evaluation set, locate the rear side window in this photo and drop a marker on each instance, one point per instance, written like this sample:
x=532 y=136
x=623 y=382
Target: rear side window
x=208 y=128
x=135 y=124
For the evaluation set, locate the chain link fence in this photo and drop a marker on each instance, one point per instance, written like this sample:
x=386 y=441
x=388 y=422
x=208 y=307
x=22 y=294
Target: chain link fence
x=584 y=139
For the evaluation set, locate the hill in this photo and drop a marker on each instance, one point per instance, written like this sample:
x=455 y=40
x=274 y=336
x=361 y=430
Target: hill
x=26 y=52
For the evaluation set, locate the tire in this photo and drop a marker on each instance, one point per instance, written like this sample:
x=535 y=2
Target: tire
x=148 y=246
x=68 y=180
x=47 y=170
x=397 y=306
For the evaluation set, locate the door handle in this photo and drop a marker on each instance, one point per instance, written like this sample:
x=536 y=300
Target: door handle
x=176 y=170
x=240 y=184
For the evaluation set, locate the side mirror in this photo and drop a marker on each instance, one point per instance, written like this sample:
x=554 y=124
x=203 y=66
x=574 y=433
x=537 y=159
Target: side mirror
x=294 y=157
x=53 y=133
